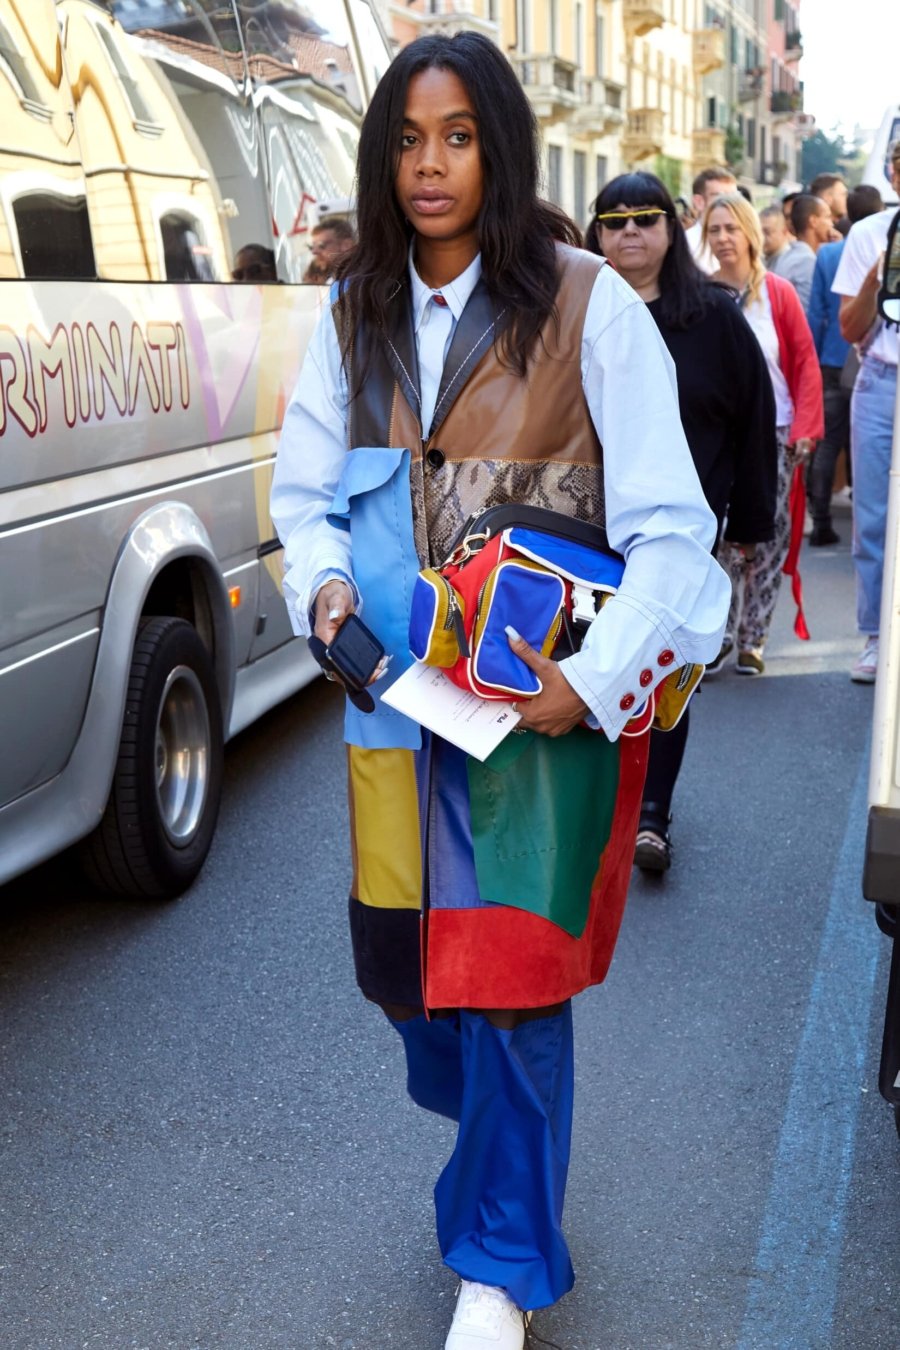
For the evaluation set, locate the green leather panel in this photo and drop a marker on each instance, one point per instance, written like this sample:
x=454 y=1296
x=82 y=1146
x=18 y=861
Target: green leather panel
x=541 y=812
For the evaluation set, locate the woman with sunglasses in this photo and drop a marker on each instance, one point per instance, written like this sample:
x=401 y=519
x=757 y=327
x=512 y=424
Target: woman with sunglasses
x=473 y=357
x=770 y=304
x=727 y=411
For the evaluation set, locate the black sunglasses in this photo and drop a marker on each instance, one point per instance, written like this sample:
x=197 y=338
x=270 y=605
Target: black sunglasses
x=646 y=218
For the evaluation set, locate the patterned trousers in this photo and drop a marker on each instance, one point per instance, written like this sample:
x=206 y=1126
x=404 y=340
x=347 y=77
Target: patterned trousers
x=755 y=584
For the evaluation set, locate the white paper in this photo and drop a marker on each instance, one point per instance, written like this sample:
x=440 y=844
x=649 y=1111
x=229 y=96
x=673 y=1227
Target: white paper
x=476 y=725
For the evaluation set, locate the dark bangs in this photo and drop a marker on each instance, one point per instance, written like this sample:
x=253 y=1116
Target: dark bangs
x=683 y=287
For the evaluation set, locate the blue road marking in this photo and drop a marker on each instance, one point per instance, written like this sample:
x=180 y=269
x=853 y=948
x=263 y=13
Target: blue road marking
x=791 y=1294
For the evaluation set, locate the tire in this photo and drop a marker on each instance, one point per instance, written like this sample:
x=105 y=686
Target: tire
x=161 y=815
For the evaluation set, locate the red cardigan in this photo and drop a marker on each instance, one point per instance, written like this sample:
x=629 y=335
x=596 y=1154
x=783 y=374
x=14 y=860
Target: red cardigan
x=797 y=353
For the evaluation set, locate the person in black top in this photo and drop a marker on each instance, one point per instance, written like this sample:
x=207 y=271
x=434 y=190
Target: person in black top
x=727 y=410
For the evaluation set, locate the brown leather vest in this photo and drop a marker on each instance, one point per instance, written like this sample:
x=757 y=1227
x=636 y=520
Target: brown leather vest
x=495 y=437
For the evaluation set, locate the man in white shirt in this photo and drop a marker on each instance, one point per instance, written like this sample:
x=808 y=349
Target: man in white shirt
x=871 y=414
x=709 y=184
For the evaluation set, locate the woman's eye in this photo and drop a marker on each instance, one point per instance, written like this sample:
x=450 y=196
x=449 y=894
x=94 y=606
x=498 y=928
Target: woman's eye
x=407 y=140
x=459 y=137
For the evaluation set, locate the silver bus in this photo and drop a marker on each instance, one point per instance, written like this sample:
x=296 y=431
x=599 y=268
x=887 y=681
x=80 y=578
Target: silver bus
x=162 y=164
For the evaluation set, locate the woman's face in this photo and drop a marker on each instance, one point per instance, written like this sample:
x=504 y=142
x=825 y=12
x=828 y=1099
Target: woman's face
x=440 y=181
x=729 y=244
x=636 y=248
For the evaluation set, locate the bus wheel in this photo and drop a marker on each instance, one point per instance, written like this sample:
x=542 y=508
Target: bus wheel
x=162 y=809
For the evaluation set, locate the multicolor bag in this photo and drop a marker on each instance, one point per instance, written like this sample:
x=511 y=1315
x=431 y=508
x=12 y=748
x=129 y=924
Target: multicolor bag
x=544 y=574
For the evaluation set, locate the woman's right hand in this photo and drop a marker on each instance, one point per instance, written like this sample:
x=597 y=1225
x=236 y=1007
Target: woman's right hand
x=334 y=601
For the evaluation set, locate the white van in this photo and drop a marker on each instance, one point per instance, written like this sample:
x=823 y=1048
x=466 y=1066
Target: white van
x=144 y=144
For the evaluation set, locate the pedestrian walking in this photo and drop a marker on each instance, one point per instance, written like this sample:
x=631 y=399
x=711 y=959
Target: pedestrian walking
x=838 y=362
x=774 y=312
x=708 y=184
x=472 y=357
x=727 y=411
x=871 y=414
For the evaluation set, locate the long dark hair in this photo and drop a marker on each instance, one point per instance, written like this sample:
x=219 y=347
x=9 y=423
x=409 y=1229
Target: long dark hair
x=517 y=230
x=683 y=288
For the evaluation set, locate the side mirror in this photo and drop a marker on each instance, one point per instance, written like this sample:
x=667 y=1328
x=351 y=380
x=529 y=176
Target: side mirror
x=889 y=294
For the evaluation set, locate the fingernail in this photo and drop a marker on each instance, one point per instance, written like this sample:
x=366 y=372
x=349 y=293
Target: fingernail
x=512 y=634
x=334 y=614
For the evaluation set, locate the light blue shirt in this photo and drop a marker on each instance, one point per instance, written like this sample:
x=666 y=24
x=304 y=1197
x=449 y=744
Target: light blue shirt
x=673 y=598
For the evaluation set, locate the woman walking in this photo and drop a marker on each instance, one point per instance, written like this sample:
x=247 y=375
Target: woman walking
x=727 y=411
x=774 y=312
x=472 y=357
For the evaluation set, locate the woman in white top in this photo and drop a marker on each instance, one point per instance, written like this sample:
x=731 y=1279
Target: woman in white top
x=770 y=304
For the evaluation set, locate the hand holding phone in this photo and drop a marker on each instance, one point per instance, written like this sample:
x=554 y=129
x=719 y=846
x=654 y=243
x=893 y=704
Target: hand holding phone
x=353 y=656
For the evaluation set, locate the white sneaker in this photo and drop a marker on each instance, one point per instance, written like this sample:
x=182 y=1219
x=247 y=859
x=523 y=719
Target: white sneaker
x=486 y=1319
x=865 y=667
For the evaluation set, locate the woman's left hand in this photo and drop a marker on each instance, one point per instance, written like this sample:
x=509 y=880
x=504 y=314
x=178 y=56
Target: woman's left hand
x=803 y=448
x=557 y=708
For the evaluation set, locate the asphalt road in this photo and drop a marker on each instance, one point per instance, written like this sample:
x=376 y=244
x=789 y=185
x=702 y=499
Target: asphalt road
x=203 y=1134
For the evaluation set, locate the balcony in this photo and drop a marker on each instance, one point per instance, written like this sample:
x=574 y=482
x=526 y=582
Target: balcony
x=751 y=84
x=793 y=46
x=709 y=50
x=708 y=147
x=601 y=109
x=641 y=16
x=644 y=133
x=552 y=85
x=454 y=16
x=784 y=102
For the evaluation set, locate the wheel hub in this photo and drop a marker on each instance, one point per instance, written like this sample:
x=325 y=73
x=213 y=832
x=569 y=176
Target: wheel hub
x=182 y=755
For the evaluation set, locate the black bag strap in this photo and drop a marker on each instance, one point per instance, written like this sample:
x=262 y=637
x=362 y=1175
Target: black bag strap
x=495 y=519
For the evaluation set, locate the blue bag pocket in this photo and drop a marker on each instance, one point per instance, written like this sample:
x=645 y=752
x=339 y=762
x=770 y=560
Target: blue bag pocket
x=581 y=564
x=528 y=598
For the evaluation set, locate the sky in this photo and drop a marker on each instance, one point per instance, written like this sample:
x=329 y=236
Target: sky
x=851 y=62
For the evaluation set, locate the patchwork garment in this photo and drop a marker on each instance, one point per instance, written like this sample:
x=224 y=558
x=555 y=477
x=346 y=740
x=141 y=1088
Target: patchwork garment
x=496 y=885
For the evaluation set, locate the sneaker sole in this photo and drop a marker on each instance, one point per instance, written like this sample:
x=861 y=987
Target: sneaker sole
x=748 y=670
x=862 y=677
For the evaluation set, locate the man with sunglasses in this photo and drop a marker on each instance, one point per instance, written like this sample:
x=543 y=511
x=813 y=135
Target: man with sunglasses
x=330 y=240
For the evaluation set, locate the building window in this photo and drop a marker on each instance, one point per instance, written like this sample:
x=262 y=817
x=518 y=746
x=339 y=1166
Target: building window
x=140 y=110
x=54 y=235
x=600 y=44
x=579 y=35
x=751 y=137
x=554 y=174
x=711 y=111
x=602 y=168
x=553 y=20
x=523 y=25
x=579 y=171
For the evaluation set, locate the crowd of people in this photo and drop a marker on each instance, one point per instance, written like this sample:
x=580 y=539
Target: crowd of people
x=804 y=273
x=661 y=377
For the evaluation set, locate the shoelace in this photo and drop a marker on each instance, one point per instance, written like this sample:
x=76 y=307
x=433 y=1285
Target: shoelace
x=532 y=1338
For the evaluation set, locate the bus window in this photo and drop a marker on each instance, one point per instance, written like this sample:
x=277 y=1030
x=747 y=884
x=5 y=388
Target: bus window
x=54 y=235
x=169 y=137
x=44 y=229
x=371 y=44
x=309 y=98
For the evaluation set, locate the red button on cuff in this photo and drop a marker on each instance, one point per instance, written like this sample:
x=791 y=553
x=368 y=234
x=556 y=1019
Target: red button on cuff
x=666 y=657
x=646 y=678
x=626 y=702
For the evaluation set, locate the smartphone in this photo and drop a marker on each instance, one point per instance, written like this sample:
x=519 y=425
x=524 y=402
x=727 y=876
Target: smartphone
x=355 y=653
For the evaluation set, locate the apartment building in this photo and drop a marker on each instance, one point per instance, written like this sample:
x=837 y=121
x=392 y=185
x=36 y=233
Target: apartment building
x=666 y=85
x=570 y=57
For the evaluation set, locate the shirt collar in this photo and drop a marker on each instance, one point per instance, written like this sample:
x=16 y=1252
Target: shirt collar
x=456 y=292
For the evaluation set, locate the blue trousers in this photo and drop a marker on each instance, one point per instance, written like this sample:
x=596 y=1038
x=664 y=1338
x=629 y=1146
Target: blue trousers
x=871 y=437
x=499 y=1200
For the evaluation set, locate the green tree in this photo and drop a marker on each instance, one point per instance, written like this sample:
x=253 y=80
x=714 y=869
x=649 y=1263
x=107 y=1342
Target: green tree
x=668 y=171
x=822 y=154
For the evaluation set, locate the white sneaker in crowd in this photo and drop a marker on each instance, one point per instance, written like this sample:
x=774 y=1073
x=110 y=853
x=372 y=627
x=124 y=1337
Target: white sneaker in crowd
x=865 y=667
x=486 y=1319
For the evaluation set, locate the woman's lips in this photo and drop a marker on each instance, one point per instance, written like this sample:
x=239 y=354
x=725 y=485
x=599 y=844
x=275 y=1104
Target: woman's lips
x=431 y=205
